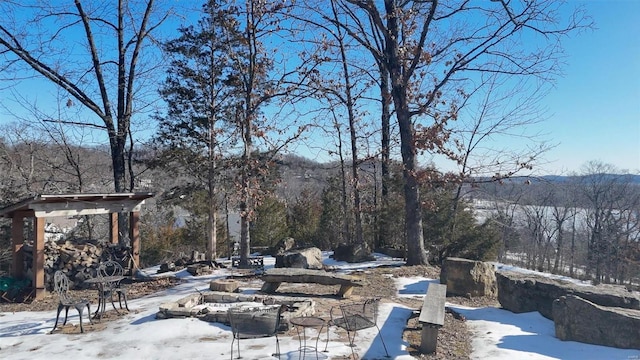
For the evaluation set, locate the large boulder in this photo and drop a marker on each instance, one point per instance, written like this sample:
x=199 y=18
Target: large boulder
x=465 y=277
x=310 y=258
x=519 y=292
x=577 y=319
x=352 y=253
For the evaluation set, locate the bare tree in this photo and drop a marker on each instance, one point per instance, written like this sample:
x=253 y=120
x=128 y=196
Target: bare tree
x=561 y=214
x=258 y=82
x=341 y=84
x=628 y=259
x=504 y=111
x=603 y=192
x=430 y=51
x=101 y=74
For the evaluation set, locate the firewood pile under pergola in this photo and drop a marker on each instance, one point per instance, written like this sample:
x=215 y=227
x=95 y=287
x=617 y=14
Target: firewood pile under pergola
x=41 y=207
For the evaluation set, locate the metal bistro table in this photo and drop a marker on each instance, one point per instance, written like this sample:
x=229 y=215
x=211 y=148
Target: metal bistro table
x=104 y=283
x=305 y=322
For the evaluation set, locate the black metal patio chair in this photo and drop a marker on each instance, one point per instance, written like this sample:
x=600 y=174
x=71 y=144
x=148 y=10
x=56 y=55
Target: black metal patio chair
x=113 y=268
x=61 y=287
x=356 y=316
x=255 y=322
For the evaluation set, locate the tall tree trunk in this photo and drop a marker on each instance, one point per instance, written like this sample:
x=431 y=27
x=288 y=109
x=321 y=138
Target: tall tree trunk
x=212 y=235
x=413 y=205
x=383 y=228
x=343 y=177
x=357 y=208
x=120 y=183
x=245 y=236
x=212 y=225
x=226 y=224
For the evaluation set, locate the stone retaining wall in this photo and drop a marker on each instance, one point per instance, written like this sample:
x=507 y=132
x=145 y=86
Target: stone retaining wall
x=520 y=292
x=606 y=315
x=577 y=319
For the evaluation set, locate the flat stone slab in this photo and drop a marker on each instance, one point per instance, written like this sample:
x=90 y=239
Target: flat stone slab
x=225 y=285
x=432 y=316
x=274 y=277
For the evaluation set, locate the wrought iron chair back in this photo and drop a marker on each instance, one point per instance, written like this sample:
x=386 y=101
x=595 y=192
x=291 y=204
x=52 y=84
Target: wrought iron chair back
x=357 y=316
x=255 y=322
x=110 y=268
x=113 y=268
x=61 y=287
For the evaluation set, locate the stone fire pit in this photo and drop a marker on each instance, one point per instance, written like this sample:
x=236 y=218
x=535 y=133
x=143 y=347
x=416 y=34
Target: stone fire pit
x=212 y=306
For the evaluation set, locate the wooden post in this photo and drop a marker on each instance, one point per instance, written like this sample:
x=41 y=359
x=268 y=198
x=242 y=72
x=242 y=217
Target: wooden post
x=113 y=229
x=38 y=258
x=17 y=238
x=134 y=236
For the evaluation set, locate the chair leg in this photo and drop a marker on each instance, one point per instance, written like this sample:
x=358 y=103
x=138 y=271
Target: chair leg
x=102 y=304
x=112 y=301
x=326 y=344
x=232 y=341
x=351 y=344
x=60 y=306
x=89 y=313
x=66 y=312
x=80 y=311
x=277 y=347
x=123 y=295
x=381 y=339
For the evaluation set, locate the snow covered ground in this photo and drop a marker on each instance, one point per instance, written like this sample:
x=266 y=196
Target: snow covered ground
x=497 y=334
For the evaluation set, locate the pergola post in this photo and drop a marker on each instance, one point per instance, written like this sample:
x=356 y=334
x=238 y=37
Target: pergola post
x=17 y=237
x=134 y=236
x=113 y=228
x=38 y=258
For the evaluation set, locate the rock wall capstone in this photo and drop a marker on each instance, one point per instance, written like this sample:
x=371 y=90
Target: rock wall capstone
x=577 y=319
x=520 y=292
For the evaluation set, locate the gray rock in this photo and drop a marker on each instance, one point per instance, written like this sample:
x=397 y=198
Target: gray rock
x=577 y=319
x=225 y=285
x=199 y=269
x=310 y=258
x=352 y=253
x=468 y=278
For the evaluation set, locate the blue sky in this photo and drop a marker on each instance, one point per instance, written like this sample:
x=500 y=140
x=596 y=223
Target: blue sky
x=595 y=107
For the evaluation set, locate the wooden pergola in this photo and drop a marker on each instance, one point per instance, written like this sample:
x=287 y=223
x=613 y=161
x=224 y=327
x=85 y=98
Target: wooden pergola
x=41 y=207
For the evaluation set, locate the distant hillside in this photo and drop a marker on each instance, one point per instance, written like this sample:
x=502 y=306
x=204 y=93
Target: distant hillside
x=631 y=178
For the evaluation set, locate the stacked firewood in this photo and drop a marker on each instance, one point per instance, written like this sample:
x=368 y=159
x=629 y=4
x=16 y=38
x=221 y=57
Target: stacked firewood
x=79 y=260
